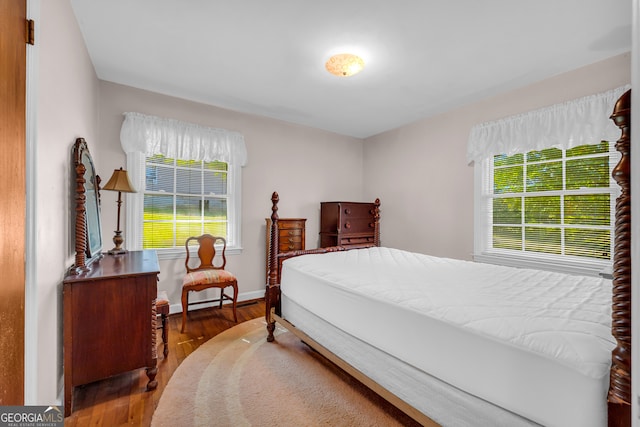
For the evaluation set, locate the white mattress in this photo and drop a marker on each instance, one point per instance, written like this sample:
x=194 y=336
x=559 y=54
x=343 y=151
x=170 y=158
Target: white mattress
x=535 y=343
x=441 y=402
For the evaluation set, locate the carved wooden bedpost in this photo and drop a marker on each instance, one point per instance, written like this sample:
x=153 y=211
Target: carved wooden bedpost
x=619 y=397
x=272 y=295
x=376 y=221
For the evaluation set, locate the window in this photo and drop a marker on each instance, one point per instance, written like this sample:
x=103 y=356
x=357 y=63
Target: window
x=188 y=179
x=543 y=207
x=185 y=198
x=552 y=205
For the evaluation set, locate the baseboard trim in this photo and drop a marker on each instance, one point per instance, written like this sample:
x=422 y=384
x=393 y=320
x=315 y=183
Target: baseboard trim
x=245 y=296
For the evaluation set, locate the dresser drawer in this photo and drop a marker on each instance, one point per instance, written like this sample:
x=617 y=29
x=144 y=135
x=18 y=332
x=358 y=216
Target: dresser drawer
x=291 y=232
x=358 y=225
x=288 y=240
x=290 y=246
x=356 y=240
x=357 y=210
x=289 y=224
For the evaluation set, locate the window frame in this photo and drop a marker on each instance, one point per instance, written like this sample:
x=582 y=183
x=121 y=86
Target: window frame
x=483 y=221
x=136 y=165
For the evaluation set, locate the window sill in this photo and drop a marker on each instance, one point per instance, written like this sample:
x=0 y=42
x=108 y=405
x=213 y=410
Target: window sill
x=179 y=253
x=590 y=268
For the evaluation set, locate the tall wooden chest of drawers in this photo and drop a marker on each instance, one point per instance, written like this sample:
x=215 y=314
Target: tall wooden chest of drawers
x=291 y=236
x=349 y=224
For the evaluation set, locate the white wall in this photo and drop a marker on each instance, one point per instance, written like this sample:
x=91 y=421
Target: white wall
x=304 y=165
x=66 y=108
x=420 y=171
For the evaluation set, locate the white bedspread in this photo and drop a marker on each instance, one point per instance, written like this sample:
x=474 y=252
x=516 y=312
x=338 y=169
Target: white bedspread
x=533 y=342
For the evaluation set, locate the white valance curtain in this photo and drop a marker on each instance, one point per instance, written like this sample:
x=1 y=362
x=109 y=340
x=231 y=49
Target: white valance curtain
x=143 y=135
x=579 y=122
x=152 y=135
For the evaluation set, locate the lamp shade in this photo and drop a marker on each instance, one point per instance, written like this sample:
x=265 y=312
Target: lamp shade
x=119 y=181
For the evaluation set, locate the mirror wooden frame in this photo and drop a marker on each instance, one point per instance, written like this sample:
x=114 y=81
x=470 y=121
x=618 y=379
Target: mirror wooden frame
x=88 y=229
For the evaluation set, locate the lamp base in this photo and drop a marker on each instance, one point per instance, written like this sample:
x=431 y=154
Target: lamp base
x=117 y=240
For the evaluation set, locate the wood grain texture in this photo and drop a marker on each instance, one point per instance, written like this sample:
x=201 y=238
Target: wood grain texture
x=13 y=49
x=349 y=224
x=272 y=292
x=110 y=321
x=292 y=237
x=619 y=396
x=81 y=209
x=123 y=399
x=207 y=260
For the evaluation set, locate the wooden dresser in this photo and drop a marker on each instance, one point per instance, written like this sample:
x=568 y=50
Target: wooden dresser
x=110 y=320
x=291 y=236
x=349 y=224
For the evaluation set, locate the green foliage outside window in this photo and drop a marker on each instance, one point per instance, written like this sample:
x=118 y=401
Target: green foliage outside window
x=554 y=202
x=183 y=198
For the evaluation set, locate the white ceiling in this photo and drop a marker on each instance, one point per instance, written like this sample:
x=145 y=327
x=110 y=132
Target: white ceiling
x=423 y=57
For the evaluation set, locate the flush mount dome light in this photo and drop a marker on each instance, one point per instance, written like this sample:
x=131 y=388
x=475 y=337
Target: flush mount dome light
x=344 y=64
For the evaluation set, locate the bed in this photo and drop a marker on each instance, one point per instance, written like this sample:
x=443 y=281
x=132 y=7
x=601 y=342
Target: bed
x=457 y=343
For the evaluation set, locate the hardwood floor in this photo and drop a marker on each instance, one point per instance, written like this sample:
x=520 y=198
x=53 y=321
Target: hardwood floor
x=123 y=399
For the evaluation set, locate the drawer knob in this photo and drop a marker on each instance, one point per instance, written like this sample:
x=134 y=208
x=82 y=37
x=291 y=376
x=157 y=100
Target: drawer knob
x=371 y=225
x=291 y=233
x=347 y=225
x=292 y=247
x=290 y=240
x=347 y=211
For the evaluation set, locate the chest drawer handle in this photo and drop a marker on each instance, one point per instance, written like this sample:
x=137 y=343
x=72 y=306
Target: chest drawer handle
x=291 y=233
x=292 y=247
x=347 y=225
x=347 y=211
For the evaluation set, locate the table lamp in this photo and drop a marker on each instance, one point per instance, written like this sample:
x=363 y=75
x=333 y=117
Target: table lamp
x=119 y=182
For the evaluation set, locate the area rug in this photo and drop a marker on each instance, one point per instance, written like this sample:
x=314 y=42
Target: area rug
x=239 y=379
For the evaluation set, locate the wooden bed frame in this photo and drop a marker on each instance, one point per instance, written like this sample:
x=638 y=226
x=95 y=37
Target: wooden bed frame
x=619 y=395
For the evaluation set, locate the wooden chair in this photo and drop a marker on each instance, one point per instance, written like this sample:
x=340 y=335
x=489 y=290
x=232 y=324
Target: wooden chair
x=207 y=275
x=162 y=308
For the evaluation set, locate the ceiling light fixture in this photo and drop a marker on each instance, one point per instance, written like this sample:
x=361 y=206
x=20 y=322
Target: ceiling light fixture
x=344 y=64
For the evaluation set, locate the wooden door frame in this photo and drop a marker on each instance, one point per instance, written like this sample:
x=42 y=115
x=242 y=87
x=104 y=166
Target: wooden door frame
x=13 y=65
